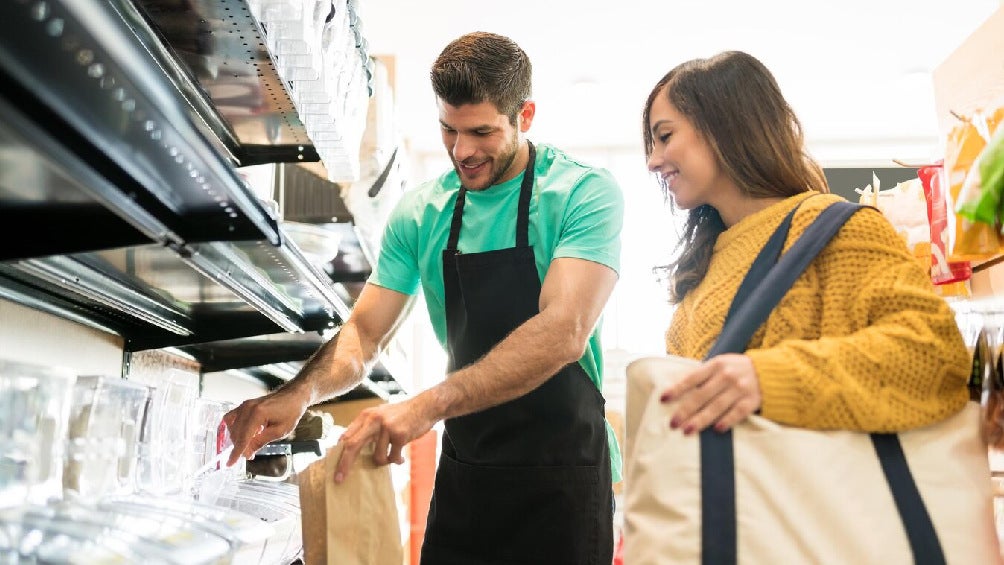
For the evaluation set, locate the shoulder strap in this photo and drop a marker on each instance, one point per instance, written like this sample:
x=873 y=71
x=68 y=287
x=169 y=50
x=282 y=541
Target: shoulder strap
x=748 y=313
x=764 y=261
x=719 y=537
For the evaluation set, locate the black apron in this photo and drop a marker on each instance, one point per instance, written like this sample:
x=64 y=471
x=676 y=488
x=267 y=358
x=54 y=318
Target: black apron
x=527 y=481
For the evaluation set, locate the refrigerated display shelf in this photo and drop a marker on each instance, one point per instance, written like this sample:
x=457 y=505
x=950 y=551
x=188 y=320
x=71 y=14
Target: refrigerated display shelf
x=76 y=69
x=118 y=210
x=120 y=205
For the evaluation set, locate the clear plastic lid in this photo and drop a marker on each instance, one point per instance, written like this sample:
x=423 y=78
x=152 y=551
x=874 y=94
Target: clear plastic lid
x=149 y=539
x=287 y=541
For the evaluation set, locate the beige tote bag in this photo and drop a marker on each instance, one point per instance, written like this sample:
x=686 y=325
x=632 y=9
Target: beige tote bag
x=800 y=496
x=763 y=493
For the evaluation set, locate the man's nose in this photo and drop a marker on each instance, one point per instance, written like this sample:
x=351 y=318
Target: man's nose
x=463 y=147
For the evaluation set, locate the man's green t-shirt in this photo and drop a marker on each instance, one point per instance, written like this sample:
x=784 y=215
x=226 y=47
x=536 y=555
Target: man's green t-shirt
x=576 y=211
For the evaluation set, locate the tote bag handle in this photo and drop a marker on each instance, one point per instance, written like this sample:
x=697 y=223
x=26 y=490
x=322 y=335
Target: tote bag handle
x=765 y=284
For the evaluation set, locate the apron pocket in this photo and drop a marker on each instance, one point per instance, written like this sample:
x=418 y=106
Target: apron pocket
x=519 y=514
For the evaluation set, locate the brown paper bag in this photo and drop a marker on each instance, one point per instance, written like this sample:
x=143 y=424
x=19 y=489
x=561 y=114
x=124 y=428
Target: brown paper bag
x=354 y=523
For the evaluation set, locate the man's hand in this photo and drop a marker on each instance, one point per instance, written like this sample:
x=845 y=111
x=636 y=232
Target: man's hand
x=260 y=420
x=722 y=391
x=391 y=426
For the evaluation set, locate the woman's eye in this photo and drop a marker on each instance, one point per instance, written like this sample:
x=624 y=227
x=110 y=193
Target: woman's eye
x=663 y=138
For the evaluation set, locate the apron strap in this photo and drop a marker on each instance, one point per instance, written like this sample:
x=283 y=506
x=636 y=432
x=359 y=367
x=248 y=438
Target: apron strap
x=525 y=191
x=458 y=217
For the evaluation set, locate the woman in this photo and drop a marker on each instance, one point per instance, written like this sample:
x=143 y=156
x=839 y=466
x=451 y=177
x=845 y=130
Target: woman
x=860 y=342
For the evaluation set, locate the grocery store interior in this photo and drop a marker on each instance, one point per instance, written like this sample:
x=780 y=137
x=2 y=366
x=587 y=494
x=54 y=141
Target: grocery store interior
x=193 y=194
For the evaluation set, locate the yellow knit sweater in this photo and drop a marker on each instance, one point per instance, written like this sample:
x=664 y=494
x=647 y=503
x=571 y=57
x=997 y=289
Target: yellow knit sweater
x=860 y=342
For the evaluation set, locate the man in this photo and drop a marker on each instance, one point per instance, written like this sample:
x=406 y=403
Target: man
x=516 y=251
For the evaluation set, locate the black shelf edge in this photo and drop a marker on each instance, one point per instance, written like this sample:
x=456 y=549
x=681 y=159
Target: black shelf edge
x=261 y=154
x=114 y=217
x=218 y=327
x=113 y=94
x=241 y=354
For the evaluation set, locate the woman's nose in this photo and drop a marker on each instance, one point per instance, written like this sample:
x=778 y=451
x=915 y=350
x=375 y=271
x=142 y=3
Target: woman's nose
x=653 y=162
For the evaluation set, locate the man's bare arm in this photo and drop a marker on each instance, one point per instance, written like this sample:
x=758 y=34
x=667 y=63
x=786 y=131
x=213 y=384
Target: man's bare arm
x=335 y=368
x=341 y=363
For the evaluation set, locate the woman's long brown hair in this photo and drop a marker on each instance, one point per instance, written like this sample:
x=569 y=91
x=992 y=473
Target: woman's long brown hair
x=735 y=104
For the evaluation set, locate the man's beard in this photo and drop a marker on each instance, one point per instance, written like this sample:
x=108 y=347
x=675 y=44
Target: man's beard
x=507 y=158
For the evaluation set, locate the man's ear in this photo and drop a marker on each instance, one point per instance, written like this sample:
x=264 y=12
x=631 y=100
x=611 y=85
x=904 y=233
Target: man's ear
x=525 y=116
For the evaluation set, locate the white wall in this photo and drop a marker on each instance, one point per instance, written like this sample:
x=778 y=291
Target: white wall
x=31 y=336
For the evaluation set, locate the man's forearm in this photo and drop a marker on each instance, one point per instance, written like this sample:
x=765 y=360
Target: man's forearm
x=519 y=364
x=334 y=369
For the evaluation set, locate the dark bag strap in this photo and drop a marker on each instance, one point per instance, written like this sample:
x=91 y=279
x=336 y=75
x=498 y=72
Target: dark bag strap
x=766 y=283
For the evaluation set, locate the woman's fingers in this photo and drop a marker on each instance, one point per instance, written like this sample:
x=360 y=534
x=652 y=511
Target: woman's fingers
x=711 y=412
x=723 y=391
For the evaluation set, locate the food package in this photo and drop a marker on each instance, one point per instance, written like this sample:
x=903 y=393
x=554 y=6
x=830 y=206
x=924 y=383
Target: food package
x=943 y=271
x=981 y=196
x=970 y=240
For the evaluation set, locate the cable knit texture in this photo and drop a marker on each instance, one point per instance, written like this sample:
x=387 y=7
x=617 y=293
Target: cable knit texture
x=860 y=342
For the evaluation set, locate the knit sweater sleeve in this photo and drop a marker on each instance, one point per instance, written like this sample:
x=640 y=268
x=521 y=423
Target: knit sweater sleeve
x=887 y=354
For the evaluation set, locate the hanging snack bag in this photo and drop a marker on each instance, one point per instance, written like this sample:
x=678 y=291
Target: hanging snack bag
x=970 y=240
x=943 y=271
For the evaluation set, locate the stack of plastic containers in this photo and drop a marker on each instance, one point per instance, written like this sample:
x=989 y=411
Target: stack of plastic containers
x=99 y=469
x=319 y=51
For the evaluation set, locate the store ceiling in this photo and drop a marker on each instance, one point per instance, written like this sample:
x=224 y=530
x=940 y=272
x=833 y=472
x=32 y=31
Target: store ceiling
x=857 y=72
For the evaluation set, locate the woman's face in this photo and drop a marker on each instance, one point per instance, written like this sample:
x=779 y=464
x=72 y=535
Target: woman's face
x=682 y=158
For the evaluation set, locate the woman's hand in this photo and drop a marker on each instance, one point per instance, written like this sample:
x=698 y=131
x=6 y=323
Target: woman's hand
x=722 y=392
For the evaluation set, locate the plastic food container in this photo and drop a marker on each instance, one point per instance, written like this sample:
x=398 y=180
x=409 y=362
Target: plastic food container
x=106 y=415
x=34 y=409
x=164 y=454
